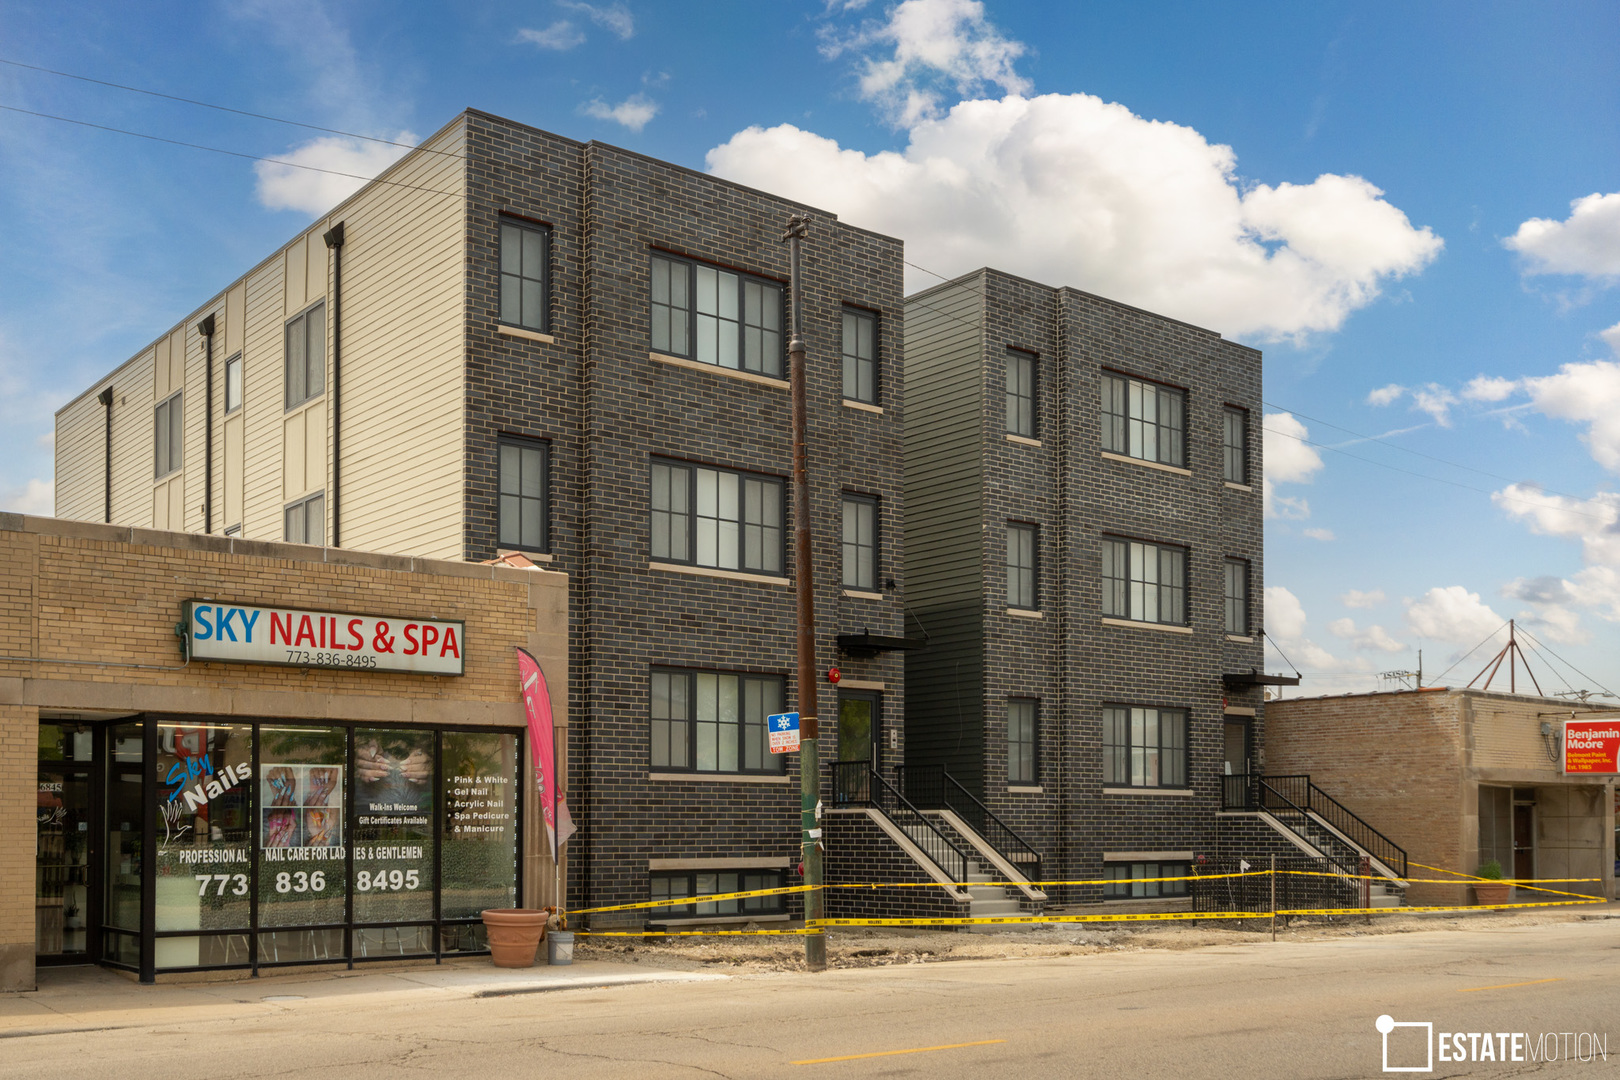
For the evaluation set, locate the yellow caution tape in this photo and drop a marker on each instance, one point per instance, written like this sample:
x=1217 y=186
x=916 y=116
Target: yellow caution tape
x=797 y=931
x=683 y=901
x=1013 y=920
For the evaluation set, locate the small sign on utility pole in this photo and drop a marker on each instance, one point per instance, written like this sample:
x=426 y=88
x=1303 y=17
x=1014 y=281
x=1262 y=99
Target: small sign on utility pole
x=784 y=732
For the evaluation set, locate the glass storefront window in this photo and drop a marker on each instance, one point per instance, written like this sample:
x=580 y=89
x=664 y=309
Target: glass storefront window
x=300 y=825
x=393 y=825
x=125 y=817
x=62 y=846
x=479 y=860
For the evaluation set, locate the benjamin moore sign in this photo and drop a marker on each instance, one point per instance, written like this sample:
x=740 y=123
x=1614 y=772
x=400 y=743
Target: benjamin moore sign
x=245 y=634
x=1591 y=747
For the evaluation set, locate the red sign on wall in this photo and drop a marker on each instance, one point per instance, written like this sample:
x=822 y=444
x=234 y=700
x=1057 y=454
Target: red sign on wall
x=1591 y=747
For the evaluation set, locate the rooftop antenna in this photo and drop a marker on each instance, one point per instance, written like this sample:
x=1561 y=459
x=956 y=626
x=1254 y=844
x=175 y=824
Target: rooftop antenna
x=1512 y=654
x=1403 y=676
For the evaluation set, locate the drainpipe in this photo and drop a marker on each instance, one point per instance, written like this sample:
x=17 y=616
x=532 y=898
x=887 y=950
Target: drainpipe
x=206 y=329
x=106 y=399
x=334 y=240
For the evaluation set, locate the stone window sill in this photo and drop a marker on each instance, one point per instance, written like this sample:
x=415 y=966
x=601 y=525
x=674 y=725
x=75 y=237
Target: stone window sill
x=1131 y=624
x=688 y=920
x=1240 y=639
x=532 y=556
x=1022 y=440
x=720 y=778
x=1145 y=464
x=1148 y=856
x=769 y=862
x=851 y=403
x=863 y=684
x=1026 y=791
x=710 y=571
x=716 y=369
x=1025 y=613
x=862 y=594
x=1172 y=791
x=1239 y=487
x=526 y=335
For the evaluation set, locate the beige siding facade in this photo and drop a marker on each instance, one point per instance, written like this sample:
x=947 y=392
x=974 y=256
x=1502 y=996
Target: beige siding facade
x=402 y=385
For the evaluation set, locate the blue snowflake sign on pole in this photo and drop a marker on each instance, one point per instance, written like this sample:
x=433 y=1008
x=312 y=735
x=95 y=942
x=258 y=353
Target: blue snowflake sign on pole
x=784 y=732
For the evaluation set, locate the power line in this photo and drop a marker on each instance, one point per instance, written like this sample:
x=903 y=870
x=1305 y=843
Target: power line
x=226 y=108
x=1543 y=645
x=231 y=153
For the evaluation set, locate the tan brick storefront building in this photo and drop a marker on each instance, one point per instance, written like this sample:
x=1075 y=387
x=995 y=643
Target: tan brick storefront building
x=1457 y=778
x=159 y=813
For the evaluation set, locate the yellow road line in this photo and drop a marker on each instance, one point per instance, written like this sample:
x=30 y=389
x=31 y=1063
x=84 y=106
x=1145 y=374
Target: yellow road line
x=1508 y=986
x=891 y=1053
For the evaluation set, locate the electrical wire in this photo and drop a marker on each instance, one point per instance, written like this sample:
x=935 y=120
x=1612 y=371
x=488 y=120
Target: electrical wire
x=1572 y=667
x=1436 y=680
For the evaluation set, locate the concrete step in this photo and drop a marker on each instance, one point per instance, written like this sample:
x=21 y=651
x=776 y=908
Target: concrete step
x=987 y=909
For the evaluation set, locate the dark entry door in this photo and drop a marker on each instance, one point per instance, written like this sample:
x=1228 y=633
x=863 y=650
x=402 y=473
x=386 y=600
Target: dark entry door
x=1524 y=840
x=64 y=891
x=859 y=743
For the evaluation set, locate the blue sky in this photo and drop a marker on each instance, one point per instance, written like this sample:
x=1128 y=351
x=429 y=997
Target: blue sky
x=1413 y=209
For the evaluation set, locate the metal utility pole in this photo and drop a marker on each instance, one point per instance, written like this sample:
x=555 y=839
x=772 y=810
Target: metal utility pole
x=815 y=944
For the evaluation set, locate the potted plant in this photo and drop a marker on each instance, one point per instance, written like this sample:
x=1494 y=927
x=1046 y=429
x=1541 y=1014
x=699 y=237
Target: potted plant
x=1491 y=889
x=559 y=939
x=515 y=935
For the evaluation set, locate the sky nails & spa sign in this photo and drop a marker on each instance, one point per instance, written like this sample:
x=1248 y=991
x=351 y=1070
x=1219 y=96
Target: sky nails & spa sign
x=247 y=634
x=1592 y=747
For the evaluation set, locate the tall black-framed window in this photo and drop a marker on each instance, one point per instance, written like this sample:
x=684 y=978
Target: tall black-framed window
x=1144 y=420
x=306 y=356
x=525 y=274
x=716 y=316
x=524 y=518
x=1023 y=740
x=1236 y=572
x=1134 y=880
x=1144 y=746
x=860 y=356
x=169 y=435
x=1023 y=373
x=1022 y=565
x=1235 y=445
x=713 y=721
x=716 y=517
x=673 y=884
x=233 y=383
x=304 y=521
x=860 y=536
x=1144 y=582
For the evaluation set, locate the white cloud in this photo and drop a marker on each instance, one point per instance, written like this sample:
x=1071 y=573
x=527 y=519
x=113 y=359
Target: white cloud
x=1611 y=338
x=634 y=112
x=1386 y=395
x=561 y=35
x=1373 y=639
x=1584 y=393
x=1586 y=243
x=1285 y=615
x=1289 y=646
x=348 y=164
x=1489 y=388
x=46 y=440
x=1452 y=614
x=1071 y=190
x=1355 y=598
x=1288 y=460
x=1323 y=535
x=614 y=18
x=37 y=497
x=1435 y=400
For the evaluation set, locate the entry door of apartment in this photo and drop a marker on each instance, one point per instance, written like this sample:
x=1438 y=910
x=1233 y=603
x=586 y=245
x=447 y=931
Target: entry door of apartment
x=1236 y=762
x=859 y=741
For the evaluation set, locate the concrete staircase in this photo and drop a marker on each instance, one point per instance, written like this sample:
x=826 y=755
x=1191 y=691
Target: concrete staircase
x=990 y=897
x=1315 y=838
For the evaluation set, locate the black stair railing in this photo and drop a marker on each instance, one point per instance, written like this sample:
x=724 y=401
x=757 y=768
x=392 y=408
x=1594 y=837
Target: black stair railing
x=1255 y=791
x=856 y=783
x=1362 y=834
x=932 y=787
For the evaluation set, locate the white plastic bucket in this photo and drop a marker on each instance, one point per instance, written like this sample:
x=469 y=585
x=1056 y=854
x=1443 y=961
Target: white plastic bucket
x=560 y=946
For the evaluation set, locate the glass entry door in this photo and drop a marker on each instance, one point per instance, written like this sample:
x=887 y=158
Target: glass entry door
x=859 y=742
x=62 y=862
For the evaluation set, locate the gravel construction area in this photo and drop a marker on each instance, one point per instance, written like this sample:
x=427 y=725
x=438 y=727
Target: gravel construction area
x=887 y=946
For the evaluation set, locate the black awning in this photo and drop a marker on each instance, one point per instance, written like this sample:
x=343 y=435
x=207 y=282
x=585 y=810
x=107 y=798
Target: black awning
x=1248 y=680
x=870 y=643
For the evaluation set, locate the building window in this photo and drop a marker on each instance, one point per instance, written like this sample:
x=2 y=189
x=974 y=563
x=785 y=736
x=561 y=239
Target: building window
x=1133 y=880
x=709 y=721
x=306 y=521
x=1144 y=747
x=860 y=356
x=1143 y=420
x=1022 y=372
x=715 y=517
x=671 y=885
x=524 y=486
x=1237 y=596
x=716 y=317
x=306 y=356
x=169 y=431
x=1144 y=582
x=860 y=542
x=233 y=383
x=1235 y=445
x=1021 y=568
x=524 y=262
x=1022 y=727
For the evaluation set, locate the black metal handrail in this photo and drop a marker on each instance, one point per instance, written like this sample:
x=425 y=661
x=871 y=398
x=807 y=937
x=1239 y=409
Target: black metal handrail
x=856 y=783
x=1275 y=800
x=932 y=787
x=1247 y=791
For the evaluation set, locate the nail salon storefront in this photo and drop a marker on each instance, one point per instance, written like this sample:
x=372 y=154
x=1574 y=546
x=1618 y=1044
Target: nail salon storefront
x=232 y=755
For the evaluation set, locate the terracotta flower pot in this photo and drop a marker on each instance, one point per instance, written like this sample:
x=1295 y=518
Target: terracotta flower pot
x=1492 y=892
x=514 y=935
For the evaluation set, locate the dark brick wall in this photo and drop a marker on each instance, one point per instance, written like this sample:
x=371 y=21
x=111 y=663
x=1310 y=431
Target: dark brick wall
x=860 y=853
x=605 y=407
x=1067 y=658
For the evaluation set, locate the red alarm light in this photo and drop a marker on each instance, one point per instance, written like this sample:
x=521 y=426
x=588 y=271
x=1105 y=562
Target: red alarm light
x=833 y=675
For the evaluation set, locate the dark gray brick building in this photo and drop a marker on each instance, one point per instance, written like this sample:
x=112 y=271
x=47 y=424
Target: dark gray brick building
x=1084 y=550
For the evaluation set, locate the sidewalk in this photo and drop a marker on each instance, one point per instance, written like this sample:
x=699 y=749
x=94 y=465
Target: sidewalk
x=73 y=999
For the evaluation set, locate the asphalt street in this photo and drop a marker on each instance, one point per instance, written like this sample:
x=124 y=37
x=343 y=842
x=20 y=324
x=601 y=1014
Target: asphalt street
x=1294 y=1009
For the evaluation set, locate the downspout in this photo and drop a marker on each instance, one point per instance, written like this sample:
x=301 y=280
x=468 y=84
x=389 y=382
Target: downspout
x=106 y=399
x=334 y=240
x=206 y=329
